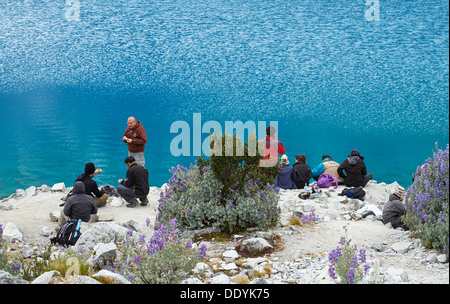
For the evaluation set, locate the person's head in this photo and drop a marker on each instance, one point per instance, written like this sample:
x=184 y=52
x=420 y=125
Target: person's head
x=89 y=169
x=132 y=122
x=355 y=153
x=270 y=131
x=400 y=193
x=284 y=160
x=129 y=161
x=325 y=156
x=300 y=157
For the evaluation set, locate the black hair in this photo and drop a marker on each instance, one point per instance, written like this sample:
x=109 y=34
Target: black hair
x=130 y=160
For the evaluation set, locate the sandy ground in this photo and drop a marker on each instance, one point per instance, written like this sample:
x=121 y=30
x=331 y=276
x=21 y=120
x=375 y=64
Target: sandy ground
x=31 y=214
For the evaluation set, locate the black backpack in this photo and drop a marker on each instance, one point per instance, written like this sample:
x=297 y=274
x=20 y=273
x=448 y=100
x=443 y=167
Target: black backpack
x=68 y=234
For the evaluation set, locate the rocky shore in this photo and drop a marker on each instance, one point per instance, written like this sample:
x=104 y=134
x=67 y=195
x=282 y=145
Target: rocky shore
x=285 y=254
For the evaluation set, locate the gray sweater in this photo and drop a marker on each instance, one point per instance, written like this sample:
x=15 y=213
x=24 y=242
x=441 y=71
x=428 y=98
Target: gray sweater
x=393 y=209
x=80 y=205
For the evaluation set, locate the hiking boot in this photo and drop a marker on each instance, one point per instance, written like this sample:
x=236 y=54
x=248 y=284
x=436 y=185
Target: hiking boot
x=144 y=201
x=133 y=203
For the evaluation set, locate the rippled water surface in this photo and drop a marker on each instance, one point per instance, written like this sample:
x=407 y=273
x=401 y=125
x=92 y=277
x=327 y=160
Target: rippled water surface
x=332 y=79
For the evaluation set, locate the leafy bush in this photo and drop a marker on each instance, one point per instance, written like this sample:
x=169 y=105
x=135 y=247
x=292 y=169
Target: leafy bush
x=225 y=192
x=347 y=263
x=427 y=202
x=165 y=259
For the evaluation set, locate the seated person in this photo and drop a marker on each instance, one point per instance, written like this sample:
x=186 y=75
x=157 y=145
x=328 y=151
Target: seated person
x=394 y=209
x=329 y=166
x=135 y=186
x=355 y=170
x=301 y=172
x=91 y=188
x=284 y=180
x=78 y=206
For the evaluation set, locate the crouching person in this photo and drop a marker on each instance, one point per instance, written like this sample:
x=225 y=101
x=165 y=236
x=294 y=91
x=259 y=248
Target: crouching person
x=135 y=186
x=394 y=209
x=78 y=206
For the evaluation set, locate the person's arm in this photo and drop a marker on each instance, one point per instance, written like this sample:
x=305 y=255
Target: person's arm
x=340 y=170
x=318 y=170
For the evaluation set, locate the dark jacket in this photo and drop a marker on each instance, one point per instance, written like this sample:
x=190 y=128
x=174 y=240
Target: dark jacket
x=90 y=185
x=355 y=170
x=139 y=137
x=301 y=174
x=137 y=179
x=393 y=209
x=284 y=178
x=80 y=205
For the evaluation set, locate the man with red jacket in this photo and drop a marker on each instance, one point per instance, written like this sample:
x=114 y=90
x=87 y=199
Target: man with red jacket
x=136 y=138
x=272 y=147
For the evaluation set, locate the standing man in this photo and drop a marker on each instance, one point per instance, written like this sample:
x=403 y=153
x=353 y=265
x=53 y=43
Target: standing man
x=136 y=138
x=135 y=186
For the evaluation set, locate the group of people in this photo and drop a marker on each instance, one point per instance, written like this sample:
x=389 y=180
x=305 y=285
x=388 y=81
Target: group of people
x=86 y=197
x=352 y=172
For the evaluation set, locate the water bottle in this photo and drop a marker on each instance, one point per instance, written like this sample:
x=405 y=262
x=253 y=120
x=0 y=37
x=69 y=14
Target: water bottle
x=306 y=188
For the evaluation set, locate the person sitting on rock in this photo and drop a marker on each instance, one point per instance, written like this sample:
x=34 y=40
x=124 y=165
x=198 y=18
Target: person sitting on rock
x=135 y=186
x=78 y=206
x=301 y=172
x=284 y=180
x=394 y=209
x=91 y=188
x=328 y=166
x=353 y=170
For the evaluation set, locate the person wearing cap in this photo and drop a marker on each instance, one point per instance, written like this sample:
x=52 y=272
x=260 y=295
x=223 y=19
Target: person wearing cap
x=394 y=209
x=135 y=137
x=284 y=180
x=353 y=170
x=328 y=166
x=91 y=188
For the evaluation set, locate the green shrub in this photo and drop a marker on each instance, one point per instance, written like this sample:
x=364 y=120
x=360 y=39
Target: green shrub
x=224 y=192
x=427 y=202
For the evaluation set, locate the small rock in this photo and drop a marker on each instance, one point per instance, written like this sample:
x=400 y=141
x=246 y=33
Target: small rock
x=230 y=255
x=58 y=187
x=108 y=274
x=46 y=277
x=5 y=206
x=220 y=279
x=46 y=231
x=401 y=247
x=45 y=188
x=442 y=258
x=31 y=191
x=255 y=244
x=27 y=251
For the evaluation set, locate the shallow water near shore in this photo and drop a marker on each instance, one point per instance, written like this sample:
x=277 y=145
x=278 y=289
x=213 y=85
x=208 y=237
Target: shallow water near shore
x=332 y=79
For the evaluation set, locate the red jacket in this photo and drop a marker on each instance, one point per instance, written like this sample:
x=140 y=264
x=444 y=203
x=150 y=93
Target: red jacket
x=271 y=149
x=139 y=137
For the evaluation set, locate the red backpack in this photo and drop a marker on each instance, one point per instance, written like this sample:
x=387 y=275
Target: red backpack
x=326 y=180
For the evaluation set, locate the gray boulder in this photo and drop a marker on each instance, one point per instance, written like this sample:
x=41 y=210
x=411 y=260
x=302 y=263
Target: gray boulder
x=104 y=232
x=255 y=244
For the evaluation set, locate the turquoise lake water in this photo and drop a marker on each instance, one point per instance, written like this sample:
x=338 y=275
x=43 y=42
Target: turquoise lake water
x=333 y=79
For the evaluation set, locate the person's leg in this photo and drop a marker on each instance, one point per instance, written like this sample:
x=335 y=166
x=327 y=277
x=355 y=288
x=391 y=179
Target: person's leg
x=101 y=201
x=144 y=201
x=62 y=219
x=367 y=178
x=127 y=194
x=139 y=157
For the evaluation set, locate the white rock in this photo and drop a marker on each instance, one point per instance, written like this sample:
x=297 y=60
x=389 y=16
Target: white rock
x=401 y=247
x=230 y=266
x=46 y=231
x=11 y=233
x=220 y=279
x=230 y=255
x=103 y=252
x=46 y=277
x=108 y=274
x=31 y=191
x=58 y=187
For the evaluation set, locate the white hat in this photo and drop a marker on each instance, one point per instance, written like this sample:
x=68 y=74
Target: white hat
x=284 y=160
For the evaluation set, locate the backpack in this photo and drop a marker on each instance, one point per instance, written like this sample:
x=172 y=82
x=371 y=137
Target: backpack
x=326 y=180
x=354 y=193
x=68 y=234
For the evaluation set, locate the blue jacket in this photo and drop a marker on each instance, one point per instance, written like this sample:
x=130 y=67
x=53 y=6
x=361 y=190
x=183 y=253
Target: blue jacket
x=284 y=178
